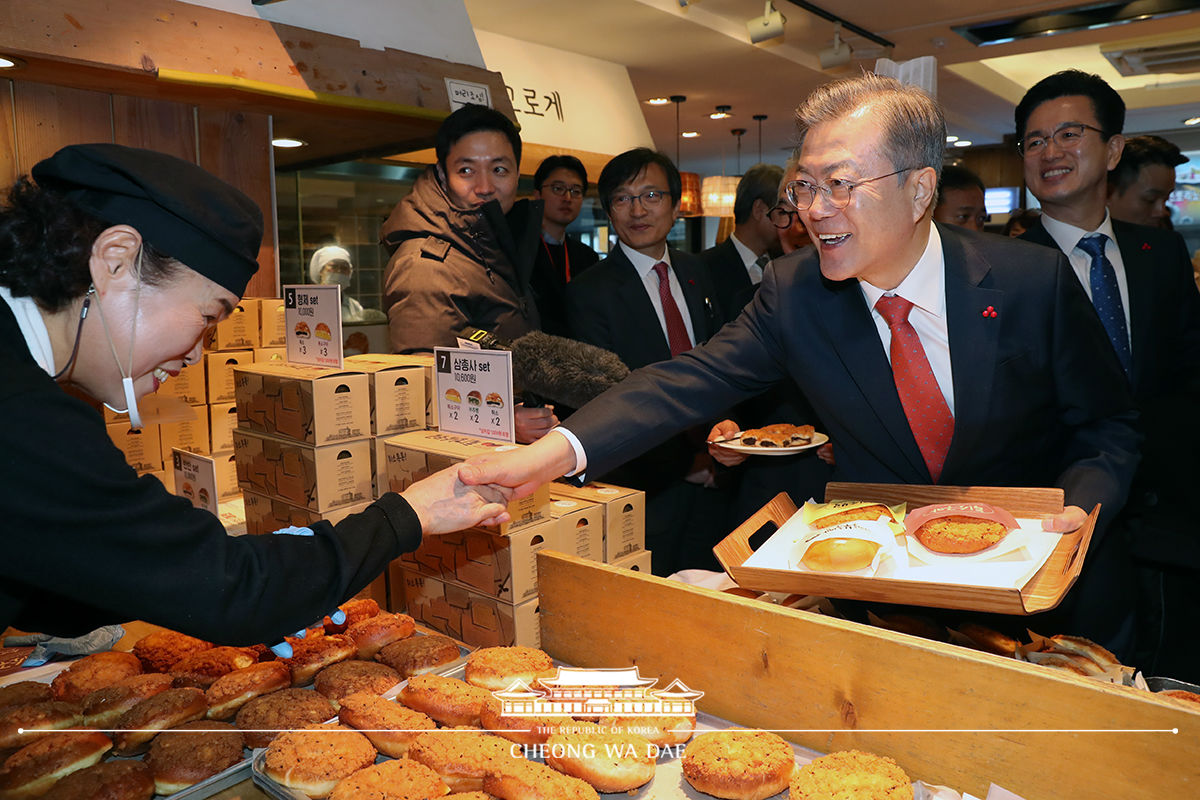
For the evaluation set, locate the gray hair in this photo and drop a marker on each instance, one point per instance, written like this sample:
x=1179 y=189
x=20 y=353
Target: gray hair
x=761 y=182
x=914 y=128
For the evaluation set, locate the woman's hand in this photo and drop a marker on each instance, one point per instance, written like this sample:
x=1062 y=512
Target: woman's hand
x=445 y=504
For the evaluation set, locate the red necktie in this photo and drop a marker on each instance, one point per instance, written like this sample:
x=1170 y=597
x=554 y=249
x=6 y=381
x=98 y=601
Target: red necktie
x=928 y=415
x=677 y=335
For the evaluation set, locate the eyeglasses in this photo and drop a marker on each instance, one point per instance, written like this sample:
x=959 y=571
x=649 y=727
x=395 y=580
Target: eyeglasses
x=781 y=217
x=1067 y=136
x=803 y=194
x=650 y=199
x=559 y=189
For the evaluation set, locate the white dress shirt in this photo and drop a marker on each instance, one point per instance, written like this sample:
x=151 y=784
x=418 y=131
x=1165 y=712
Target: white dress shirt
x=925 y=288
x=1067 y=236
x=749 y=259
x=644 y=265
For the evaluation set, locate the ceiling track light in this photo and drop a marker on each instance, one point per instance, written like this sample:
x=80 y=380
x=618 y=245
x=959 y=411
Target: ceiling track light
x=850 y=26
x=722 y=112
x=768 y=26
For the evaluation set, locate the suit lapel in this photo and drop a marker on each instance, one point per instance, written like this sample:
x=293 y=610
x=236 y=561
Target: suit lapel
x=1139 y=277
x=695 y=294
x=636 y=307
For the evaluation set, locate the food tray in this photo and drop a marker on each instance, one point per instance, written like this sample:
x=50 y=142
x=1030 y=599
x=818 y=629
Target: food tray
x=1043 y=591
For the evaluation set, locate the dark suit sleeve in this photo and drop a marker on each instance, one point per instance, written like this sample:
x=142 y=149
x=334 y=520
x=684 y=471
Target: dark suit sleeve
x=586 y=317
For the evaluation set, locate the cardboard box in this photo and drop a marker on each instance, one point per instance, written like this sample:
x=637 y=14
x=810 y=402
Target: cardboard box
x=580 y=526
x=141 y=447
x=397 y=393
x=239 y=330
x=316 y=478
x=191 y=435
x=220 y=373
x=504 y=567
x=272 y=324
x=424 y=361
x=638 y=561
x=624 y=515
x=222 y=419
x=225 y=465
x=189 y=385
x=269 y=514
x=266 y=355
x=418 y=454
x=466 y=615
x=316 y=405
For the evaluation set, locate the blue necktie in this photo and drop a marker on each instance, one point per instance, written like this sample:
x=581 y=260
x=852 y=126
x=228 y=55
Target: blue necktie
x=1106 y=296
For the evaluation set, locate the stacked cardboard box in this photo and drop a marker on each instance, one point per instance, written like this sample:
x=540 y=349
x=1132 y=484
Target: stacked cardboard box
x=398 y=391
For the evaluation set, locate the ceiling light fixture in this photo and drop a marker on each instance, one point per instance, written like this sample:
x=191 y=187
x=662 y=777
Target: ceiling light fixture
x=722 y=112
x=839 y=54
x=658 y=101
x=690 y=134
x=768 y=26
x=759 y=119
x=287 y=142
x=850 y=26
x=963 y=143
x=951 y=139
x=689 y=182
x=8 y=62
x=1192 y=121
x=1070 y=20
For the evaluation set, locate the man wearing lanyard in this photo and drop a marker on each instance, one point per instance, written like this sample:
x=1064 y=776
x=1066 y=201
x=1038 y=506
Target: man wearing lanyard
x=561 y=182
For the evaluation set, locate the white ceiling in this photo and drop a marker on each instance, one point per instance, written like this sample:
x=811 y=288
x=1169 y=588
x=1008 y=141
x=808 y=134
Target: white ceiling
x=702 y=50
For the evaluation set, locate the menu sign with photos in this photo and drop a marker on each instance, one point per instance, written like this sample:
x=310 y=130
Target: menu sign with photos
x=474 y=392
x=313 y=316
x=196 y=479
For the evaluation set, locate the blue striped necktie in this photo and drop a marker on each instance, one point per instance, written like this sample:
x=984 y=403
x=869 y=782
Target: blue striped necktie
x=1106 y=296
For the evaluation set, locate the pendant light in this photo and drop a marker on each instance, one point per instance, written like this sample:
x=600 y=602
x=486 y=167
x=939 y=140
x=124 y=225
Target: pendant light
x=689 y=195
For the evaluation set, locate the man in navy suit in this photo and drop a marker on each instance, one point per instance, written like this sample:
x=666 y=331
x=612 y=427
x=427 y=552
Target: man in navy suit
x=1018 y=356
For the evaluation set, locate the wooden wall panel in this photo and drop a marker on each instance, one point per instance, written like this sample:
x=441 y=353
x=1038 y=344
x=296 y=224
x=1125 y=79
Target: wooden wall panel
x=8 y=154
x=235 y=146
x=50 y=117
x=155 y=125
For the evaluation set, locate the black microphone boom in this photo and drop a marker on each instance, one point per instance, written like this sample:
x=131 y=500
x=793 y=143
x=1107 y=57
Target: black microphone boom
x=564 y=370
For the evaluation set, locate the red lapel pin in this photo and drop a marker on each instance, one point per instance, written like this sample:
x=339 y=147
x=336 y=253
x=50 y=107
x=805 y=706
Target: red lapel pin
x=990 y=311
x=1145 y=245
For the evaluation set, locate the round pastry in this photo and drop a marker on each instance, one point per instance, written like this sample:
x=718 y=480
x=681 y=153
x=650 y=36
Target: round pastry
x=193 y=752
x=417 y=655
x=348 y=677
x=869 y=513
x=169 y=709
x=22 y=693
x=312 y=654
x=522 y=730
x=529 y=780
x=230 y=692
x=314 y=759
x=261 y=719
x=959 y=534
x=462 y=758
x=610 y=762
x=103 y=707
x=32 y=770
x=391 y=780
x=469 y=796
x=373 y=633
x=94 y=672
x=851 y=775
x=739 y=764
x=355 y=610
x=120 y=779
x=660 y=731
x=989 y=640
x=48 y=716
x=495 y=668
x=390 y=726
x=159 y=651
x=447 y=700
x=202 y=669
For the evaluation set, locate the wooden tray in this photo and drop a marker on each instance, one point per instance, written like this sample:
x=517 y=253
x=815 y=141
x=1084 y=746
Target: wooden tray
x=1043 y=591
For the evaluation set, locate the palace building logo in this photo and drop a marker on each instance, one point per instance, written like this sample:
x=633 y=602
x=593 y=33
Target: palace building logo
x=621 y=692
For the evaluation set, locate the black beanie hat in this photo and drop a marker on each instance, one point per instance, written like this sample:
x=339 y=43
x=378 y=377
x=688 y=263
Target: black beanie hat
x=178 y=207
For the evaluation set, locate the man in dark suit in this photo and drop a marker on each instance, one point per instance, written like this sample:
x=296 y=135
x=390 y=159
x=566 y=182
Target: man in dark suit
x=1017 y=354
x=647 y=303
x=735 y=266
x=1140 y=280
x=561 y=182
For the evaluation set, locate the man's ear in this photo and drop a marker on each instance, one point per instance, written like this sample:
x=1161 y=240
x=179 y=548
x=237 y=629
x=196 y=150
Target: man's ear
x=924 y=183
x=114 y=256
x=1114 y=147
x=759 y=209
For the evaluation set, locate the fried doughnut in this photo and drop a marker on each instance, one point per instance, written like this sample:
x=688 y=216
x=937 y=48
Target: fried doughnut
x=312 y=654
x=94 y=672
x=610 y=762
x=851 y=774
x=230 y=692
x=522 y=730
x=22 y=693
x=869 y=513
x=261 y=719
x=193 y=752
x=447 y=700
x=469 y=796
x=103 y=707
x=960 y=534
x=121 y=779
x=348 y=677
x=314 y=759
x=202 y=669
x=371 y=634
x=739 y=764
x=392 y=780
x=48 y=716
x=462 y=758
x=32 y=770
x=532 y=781
x=495 y=668
x=417 y=655
x=660 y=731
x=390 y=726
x=161 y=650
x=169 y=709
x=355 y=611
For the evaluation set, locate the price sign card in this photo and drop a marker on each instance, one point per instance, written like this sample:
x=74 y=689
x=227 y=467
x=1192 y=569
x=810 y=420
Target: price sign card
x=313 y=315
x=196 y=479
x=474 y=392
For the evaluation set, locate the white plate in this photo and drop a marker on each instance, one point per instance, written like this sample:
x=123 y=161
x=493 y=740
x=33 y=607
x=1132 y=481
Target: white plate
x=818 y=439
